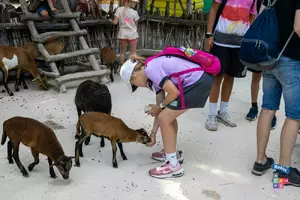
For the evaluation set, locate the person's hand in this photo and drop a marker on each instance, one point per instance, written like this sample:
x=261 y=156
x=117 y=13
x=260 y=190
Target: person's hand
x=53 y=9
x=153 y=140
x=155 y=110
x=209 y=44
x=133 y=58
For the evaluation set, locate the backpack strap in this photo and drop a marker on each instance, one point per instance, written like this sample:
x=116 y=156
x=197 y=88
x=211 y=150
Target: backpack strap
x=220 y=10
x=177 y=75
x=284 y=47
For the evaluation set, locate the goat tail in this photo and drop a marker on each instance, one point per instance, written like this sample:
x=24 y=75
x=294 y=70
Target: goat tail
x=4 y=136
x=78 y=128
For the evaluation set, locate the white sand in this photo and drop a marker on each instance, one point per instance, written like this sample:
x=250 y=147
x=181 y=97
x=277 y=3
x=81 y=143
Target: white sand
x=217 y=164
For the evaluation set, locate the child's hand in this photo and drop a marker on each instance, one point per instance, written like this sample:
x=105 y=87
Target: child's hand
x=53 y=9
x=153 y=140
x=155 y=110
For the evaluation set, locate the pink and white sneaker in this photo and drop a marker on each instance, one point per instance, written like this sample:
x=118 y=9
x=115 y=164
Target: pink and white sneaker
x=167 y=171
x=161 y=156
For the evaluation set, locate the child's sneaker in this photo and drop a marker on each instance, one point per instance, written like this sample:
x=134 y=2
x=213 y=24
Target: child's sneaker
x=167 y=171
x=161 y=156
x=225 y=119
x=260 y=169
x=211 y=123
x=252 y=114
x=293 y=177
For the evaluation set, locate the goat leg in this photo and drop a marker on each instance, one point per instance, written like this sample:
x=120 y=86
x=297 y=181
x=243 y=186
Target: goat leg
x=9 y=152
x=18 y=79
x=51 y=170
x=17 y=159
x=111 y=73
x=35 y=155
x=22 y=79
x=77 y=148
x=87 y=140
x=114 y=150
x=5 y=77
x=78 y=125
x=120 y=145
x=102 y=142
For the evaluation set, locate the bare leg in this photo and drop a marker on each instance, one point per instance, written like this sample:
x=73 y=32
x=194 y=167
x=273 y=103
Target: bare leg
x=133 y=46
x=215 y=91
x=123 y=51
x=263 y=133
x=169 y=128
x=256 y=77
x=288 y=139
x=226 y=88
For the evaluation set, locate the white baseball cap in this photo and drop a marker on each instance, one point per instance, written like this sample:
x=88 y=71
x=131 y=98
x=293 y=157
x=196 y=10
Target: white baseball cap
x=126 y=72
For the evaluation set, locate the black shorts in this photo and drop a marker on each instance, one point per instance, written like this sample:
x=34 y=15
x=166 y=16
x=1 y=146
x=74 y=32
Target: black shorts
x=254 y=71
x=196 y=95
x=230 y=61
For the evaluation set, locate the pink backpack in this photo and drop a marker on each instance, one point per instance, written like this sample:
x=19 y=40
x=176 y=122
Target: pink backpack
x=208 y=63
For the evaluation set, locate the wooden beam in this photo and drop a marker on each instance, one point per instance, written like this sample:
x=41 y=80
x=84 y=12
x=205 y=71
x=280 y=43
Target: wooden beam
x=54 y=58
x=167 y=11
x=82 y=75
x=44 y=36
x=189 y=7
x=175 y=4
x=36 y=17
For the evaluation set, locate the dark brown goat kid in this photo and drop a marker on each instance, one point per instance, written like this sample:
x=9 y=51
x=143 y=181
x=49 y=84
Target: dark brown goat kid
x=114 y=129
x=109 y=58
x=41 y=139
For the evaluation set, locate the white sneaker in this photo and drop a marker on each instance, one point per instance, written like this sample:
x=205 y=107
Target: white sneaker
x=226 y=119
x=211 y=123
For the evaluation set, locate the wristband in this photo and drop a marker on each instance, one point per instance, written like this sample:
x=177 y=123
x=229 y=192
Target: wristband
x=208 y=34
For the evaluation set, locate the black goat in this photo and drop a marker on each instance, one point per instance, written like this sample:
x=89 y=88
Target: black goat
x=92 y=97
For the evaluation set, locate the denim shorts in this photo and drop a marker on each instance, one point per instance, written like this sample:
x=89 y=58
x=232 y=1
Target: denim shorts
x=283 y=80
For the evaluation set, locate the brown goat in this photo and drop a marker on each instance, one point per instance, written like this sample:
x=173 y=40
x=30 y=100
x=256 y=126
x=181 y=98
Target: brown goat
x=112 y=128
x=52 y=45
x=109 y=58
x=17 y=57
x=41 y=139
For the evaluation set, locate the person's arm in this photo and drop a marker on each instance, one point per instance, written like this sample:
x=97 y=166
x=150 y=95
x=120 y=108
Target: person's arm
x=115 y=21
x=173 y=92
x=50 y=3
x=212 y=15
x=159 y=98
x=297 y=18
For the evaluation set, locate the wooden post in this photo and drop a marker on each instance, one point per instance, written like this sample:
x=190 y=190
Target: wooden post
x=167 y=11
x=175 y=2
x=145 y=6
x=152 y=7
x=189 y=7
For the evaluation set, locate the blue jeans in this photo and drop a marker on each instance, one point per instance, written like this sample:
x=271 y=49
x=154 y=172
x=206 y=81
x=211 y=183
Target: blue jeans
x=283 y=80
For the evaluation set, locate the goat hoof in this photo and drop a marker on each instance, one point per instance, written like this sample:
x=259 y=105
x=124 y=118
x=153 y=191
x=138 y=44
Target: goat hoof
x=11 y=94
x=115 y=165
x=125 y=158
x=81 y=154
x=17 y=89
x=87 y=142
x=77 y=164
x=53 y=176
x=102 y=144
x=76 y=137
x=11 y=162
x=25 y=87
x=25 y=174
x=30 y=167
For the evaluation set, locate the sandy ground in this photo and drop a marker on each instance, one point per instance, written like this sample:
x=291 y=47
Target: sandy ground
x=217 y=164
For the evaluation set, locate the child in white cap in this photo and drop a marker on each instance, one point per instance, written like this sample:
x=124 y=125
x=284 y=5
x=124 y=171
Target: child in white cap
x=157 y=75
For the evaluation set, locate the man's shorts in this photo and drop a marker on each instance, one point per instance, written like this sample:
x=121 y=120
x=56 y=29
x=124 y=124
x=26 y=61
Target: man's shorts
x=283 y=80
x=196 y=95
x=230 y=61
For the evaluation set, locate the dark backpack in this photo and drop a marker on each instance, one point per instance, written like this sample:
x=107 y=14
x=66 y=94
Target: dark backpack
x=260 y=49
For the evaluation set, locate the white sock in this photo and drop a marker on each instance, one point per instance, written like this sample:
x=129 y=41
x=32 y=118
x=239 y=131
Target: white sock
x=223 y=107
x=213 y=109
x=172 y=158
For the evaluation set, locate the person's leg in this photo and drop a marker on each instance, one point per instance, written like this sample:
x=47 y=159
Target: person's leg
x=168 y=126
x=253 y=112
x=133 y=46
x=223 y=54
x=288 y=73
x=235 y=69
x=123 y=44
x=272 y=91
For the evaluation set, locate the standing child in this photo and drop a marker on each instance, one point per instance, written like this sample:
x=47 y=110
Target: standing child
x=127 y=18
x=173 y=98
